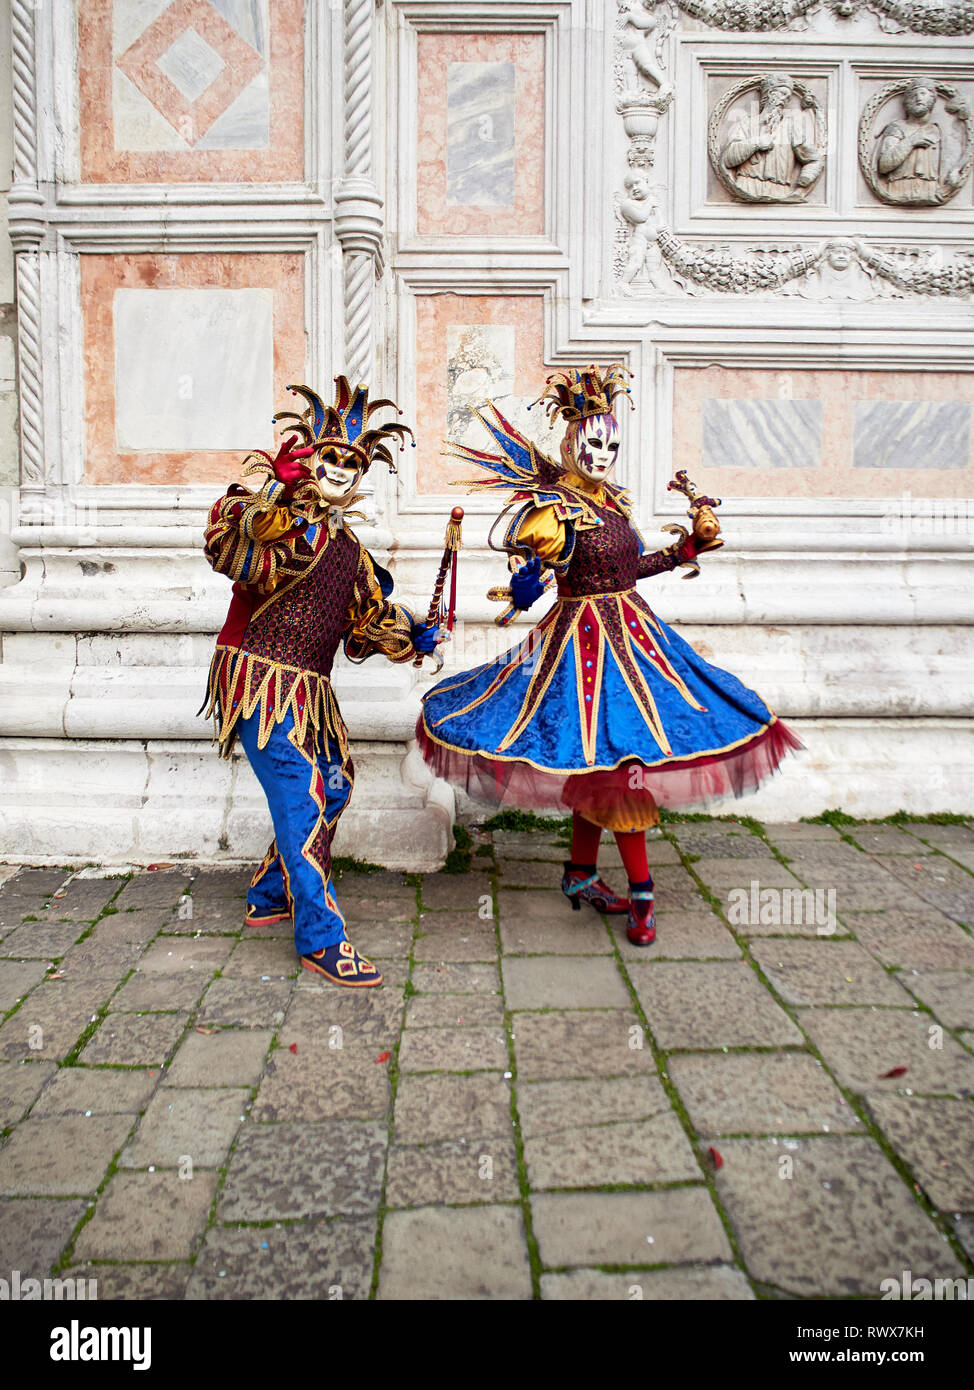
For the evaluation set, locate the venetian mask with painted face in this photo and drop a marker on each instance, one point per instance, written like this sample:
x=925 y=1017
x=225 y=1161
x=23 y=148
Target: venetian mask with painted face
x=594 y=447
x=337 y=474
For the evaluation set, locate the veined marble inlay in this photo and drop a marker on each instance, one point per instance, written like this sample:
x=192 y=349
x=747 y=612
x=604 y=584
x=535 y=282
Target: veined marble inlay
x=481 y=367
x=191 y=64
x=762 y=433
x=194 y=369
x=912 y=434
x=480 y=134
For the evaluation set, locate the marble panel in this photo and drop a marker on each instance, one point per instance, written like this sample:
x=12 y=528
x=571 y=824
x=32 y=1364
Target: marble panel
x=481 y=134
x=193 y=369
x=751 y=432
x=471 y=349
x=762 y=434
x=186 y=359
x=177 y=90
x=912 y=434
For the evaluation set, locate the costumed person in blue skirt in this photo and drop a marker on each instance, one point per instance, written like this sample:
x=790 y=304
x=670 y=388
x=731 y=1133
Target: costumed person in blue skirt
x=304 y=585
x=602 y=708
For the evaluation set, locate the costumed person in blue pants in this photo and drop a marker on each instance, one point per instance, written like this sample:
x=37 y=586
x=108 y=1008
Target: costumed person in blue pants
x=603 y=708
x=303 y=586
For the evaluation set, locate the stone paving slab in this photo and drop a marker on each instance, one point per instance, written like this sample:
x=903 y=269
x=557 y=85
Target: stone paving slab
x=99 y=960
x=17 y=978
x=323 y=1261
x=840 y=1224
x=449 y=1010
x=760 y=1093
x=148 y=1216
x=38 y=941
x=182 y=1123
x=571 y=934
x=862 y=1046
x=292 y=1171
x=457 y=1172
x=563 y=982
x=34 y=1231
x=930 y=942
x=467 y=939
x=60 y=1157
x=88 y=1091
x=436 y=1106
x=454 y=1049
x=262 y=960
x=551 y=1107
x=696 y=1004
x=936 y=1137
x=825 y=972
x=625 y=1153
x=448 y=978
x=455 y=892
x=20 y=1085
x=170 y=955
x=324 y=1014
x=130 y=1040
x=52 y=1019
x=766 y=872
x=467 y=1253
x=137 y=927
x=678 y=1283
x=564 y=1044
x=677 y=1225
x=245 y=1003
x=319 y=1082
x=949 y=993
x=156 y=992
x=230 y=1057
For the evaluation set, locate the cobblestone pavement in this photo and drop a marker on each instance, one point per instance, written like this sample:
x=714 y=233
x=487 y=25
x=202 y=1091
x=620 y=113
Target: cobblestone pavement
x=768 y=1102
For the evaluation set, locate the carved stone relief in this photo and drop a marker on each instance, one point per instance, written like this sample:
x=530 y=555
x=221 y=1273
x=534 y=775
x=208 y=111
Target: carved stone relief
x=766 y=139
x=916 y=142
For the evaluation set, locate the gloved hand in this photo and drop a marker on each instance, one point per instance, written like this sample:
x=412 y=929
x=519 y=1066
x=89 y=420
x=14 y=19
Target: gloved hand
x=425 y=638
x=526 y=585
x=288 y=468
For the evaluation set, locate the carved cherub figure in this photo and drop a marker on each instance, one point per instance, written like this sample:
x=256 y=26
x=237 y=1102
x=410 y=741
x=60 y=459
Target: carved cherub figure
x=648 y=19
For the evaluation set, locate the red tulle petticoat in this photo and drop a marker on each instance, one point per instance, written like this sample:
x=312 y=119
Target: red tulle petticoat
x=621 y=798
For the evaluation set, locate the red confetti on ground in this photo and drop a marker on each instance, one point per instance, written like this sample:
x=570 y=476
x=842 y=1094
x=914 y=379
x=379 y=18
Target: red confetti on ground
x=293 y=1047
x=718 y=1160
x=896 y=1071
x=383 y=1057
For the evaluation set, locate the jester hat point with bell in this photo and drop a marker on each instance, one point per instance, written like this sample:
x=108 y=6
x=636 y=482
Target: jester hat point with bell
x=580 y=392
x=339 y=433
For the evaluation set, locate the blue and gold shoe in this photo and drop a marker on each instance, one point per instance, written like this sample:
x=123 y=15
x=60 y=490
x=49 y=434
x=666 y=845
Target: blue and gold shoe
x=343 y=965
x=267 y=917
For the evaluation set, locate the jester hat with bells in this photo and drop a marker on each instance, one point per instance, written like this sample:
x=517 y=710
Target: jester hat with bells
x=344 y=448
x=578 y=394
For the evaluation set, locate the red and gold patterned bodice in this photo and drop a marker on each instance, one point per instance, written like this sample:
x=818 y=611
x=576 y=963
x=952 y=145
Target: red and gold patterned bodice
x=605 y=558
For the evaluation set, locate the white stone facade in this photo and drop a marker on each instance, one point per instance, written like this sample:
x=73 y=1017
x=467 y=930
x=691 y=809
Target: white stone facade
x=448 y=202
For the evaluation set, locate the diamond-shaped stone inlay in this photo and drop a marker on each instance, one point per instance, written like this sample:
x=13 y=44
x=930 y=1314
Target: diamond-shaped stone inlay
x=192 y=64
x=172 y=63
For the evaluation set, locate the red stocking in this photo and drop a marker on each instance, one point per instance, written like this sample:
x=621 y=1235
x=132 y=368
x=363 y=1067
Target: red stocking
x=585 y=840
x=632 y=847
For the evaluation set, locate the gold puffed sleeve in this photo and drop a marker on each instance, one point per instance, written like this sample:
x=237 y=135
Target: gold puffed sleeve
x=544 y=533
x=273 y=525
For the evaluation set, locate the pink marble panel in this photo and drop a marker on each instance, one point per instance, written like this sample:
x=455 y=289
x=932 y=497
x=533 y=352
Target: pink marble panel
x=437 y=388
x=160 y=86
x=434 y=214
x=839 y=391
x=101 y=276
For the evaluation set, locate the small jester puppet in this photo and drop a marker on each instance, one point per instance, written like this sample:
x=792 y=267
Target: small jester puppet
x=603 y=708
x=303 y=586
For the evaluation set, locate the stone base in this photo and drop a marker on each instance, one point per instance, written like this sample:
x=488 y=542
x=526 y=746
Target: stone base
x=120 y=801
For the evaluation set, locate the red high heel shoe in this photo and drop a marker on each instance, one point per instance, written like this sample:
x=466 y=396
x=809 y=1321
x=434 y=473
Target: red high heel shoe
x=641 y=926
x=581 y=883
